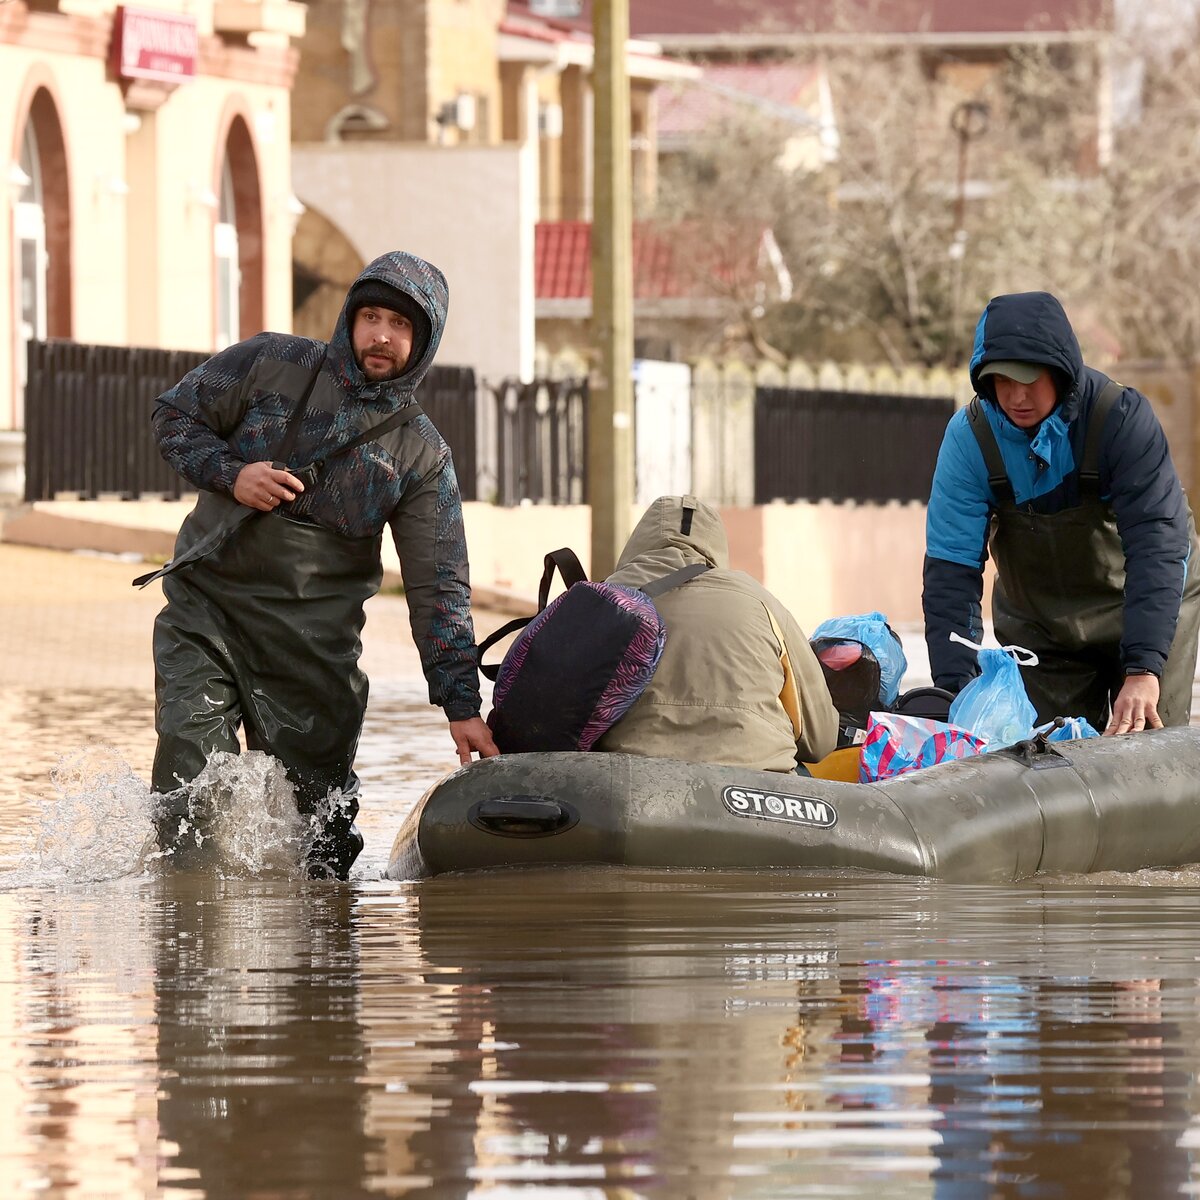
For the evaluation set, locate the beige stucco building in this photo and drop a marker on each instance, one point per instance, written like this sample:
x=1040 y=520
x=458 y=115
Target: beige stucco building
x=450 y=128
x=146 y=195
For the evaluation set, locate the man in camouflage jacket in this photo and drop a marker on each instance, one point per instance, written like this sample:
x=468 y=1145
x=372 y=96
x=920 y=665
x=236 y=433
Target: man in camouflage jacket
x=263 y=617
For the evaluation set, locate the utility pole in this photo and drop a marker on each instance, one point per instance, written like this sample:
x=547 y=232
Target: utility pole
x=610 y=399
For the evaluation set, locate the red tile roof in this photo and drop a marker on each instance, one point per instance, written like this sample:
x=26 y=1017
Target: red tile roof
x=669 y=262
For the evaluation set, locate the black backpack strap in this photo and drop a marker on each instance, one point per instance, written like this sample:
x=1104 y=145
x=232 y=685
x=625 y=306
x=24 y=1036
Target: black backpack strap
x=1089 y=471
x=569 y=567
x=998 y=479
x=490 y=672
x=567 y=563
x=656 y=587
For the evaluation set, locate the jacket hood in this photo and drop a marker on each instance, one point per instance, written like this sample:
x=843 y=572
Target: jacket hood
x=424 y=284
x=674 y=532
x=1027 y=327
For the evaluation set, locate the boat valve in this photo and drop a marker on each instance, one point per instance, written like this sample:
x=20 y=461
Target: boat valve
x=1037 y=750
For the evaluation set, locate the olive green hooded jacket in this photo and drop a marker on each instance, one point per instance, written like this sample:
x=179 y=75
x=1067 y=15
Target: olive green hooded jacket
x=737 y=683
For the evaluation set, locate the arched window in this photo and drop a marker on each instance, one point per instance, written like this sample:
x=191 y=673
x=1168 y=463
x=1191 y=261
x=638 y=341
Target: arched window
x=229 y=272
x=29 y=225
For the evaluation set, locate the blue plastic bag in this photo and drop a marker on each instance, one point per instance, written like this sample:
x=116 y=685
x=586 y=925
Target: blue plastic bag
x=874 y=632
x=1072 y=729
x=995 y=705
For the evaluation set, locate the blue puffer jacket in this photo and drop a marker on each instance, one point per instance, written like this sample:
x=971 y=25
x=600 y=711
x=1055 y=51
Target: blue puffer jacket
x=233 y=409
x=1137 y=478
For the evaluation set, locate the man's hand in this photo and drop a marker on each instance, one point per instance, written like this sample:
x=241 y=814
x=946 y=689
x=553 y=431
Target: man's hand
x=259 y=485
x=1136 y=706
x=471 y=735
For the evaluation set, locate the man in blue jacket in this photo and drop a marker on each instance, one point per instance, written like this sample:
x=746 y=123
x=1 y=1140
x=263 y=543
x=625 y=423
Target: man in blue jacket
x=1066 y=479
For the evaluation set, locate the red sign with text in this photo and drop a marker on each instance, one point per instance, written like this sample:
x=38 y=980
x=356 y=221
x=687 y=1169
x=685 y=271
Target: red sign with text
x=155 y=45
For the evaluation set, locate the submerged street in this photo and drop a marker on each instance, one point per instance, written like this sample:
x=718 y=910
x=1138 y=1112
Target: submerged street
x=585 y=1034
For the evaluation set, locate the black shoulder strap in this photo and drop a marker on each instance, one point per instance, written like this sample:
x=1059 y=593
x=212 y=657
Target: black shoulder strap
x=656 y=587
x=1089 y=470
x=240 y=515
x=998 y=479
x=409 y=412
x=288 y=442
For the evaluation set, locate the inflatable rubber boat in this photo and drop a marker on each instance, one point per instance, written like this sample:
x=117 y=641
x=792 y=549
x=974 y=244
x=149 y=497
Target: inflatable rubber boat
x=1103 y=804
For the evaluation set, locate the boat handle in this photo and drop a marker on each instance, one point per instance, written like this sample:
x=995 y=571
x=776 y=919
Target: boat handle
x=522 y=816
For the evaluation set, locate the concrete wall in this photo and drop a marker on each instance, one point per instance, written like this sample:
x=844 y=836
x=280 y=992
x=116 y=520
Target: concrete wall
x=467 y=209
x=821 y=560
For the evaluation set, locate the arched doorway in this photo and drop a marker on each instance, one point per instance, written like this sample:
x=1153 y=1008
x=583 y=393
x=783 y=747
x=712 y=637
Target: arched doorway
x=29 y=231
x=238 y=240
x=41 y=236
x=324 y=265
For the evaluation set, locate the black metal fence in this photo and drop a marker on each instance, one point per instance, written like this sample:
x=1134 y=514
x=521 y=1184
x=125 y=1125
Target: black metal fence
x=541 y=441
x=87 y=433
x=87 y=419
x=815 y=445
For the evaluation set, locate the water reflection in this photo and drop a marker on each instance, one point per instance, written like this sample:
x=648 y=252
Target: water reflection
x=588 y=1033
x=597 y=1033
x=260 y=1050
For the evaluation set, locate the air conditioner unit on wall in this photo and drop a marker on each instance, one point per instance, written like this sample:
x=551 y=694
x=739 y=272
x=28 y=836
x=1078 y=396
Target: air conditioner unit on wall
x=458 y=113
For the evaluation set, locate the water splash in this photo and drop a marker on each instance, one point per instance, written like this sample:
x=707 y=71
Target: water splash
x=239 y=818
x=98 y=826
x=236 y=819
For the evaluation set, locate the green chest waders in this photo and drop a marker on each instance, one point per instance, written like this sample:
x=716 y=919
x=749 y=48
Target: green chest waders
x=1060 y=591
x=265 y=634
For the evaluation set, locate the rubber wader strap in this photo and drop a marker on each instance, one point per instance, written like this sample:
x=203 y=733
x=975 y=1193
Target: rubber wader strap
x=1089 y=472
x=998 y=481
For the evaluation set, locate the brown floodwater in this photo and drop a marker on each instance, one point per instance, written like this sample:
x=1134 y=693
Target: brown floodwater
x=582 y=1034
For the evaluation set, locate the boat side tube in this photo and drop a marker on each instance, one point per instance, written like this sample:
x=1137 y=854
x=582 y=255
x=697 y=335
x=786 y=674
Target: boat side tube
x=1101 y=804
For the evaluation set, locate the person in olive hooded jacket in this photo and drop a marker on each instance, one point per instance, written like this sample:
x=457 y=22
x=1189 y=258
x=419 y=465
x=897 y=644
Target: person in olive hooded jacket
x=324 y=447
x=1066 y=478
x=738 y=682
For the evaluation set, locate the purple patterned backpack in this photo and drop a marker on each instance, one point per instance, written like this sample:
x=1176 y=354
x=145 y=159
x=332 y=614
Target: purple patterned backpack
x=580 y=663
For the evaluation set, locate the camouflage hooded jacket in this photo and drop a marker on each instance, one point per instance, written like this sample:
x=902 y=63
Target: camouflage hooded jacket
x=233 y=410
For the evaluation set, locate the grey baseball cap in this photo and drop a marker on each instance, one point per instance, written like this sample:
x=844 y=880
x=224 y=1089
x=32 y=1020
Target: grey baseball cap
x=1022 y=372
